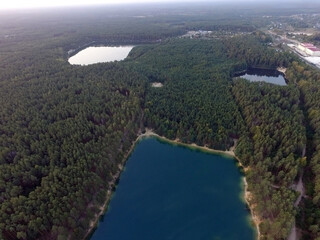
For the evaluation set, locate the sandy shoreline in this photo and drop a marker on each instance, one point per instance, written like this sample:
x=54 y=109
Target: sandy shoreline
x=255 y=218
x=282 y=70
x=149 y=133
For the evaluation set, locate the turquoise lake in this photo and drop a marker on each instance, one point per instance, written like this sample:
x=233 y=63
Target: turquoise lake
x=173 y=192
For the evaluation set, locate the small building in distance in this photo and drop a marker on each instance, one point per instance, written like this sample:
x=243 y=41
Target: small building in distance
x=313 y=51
x=309 y=49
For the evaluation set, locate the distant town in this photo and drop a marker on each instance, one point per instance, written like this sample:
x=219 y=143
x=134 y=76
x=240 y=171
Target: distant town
x=217 y=34
x=298 y=33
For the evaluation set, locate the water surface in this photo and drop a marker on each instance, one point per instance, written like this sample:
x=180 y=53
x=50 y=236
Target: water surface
x=264 y=75
x=173 y=192
x=92 y=55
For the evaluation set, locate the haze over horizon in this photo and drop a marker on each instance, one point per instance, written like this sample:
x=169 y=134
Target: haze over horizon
x=21 y=4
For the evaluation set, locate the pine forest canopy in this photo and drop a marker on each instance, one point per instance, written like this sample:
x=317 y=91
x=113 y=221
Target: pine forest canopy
x=66 y=129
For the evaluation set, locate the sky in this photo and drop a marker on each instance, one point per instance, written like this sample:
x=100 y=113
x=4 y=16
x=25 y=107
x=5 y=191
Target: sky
x=21 y=4
x=16 y=4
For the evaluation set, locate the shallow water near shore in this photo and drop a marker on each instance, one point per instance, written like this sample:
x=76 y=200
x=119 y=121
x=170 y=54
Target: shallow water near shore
x=173 y=192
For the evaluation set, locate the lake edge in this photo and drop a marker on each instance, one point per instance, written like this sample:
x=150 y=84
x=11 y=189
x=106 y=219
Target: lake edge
x=254 y=220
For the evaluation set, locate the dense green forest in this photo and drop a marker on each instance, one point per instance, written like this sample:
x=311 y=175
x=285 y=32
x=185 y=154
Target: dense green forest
x=195 y=104
x=275 y=147
x=200 y=103
x=308 y=81
x=62 y=138
x=254 y=52
x=65 y=130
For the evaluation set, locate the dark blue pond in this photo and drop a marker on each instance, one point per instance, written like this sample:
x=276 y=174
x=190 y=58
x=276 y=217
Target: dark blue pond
x=173 y=192
x=264 y=75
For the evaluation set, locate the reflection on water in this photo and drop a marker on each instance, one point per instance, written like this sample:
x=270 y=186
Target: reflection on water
x=264 y=75
x=92 y=55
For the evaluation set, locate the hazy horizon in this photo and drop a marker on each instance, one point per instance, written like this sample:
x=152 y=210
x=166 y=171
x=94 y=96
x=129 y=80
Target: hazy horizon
x=34 y=4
